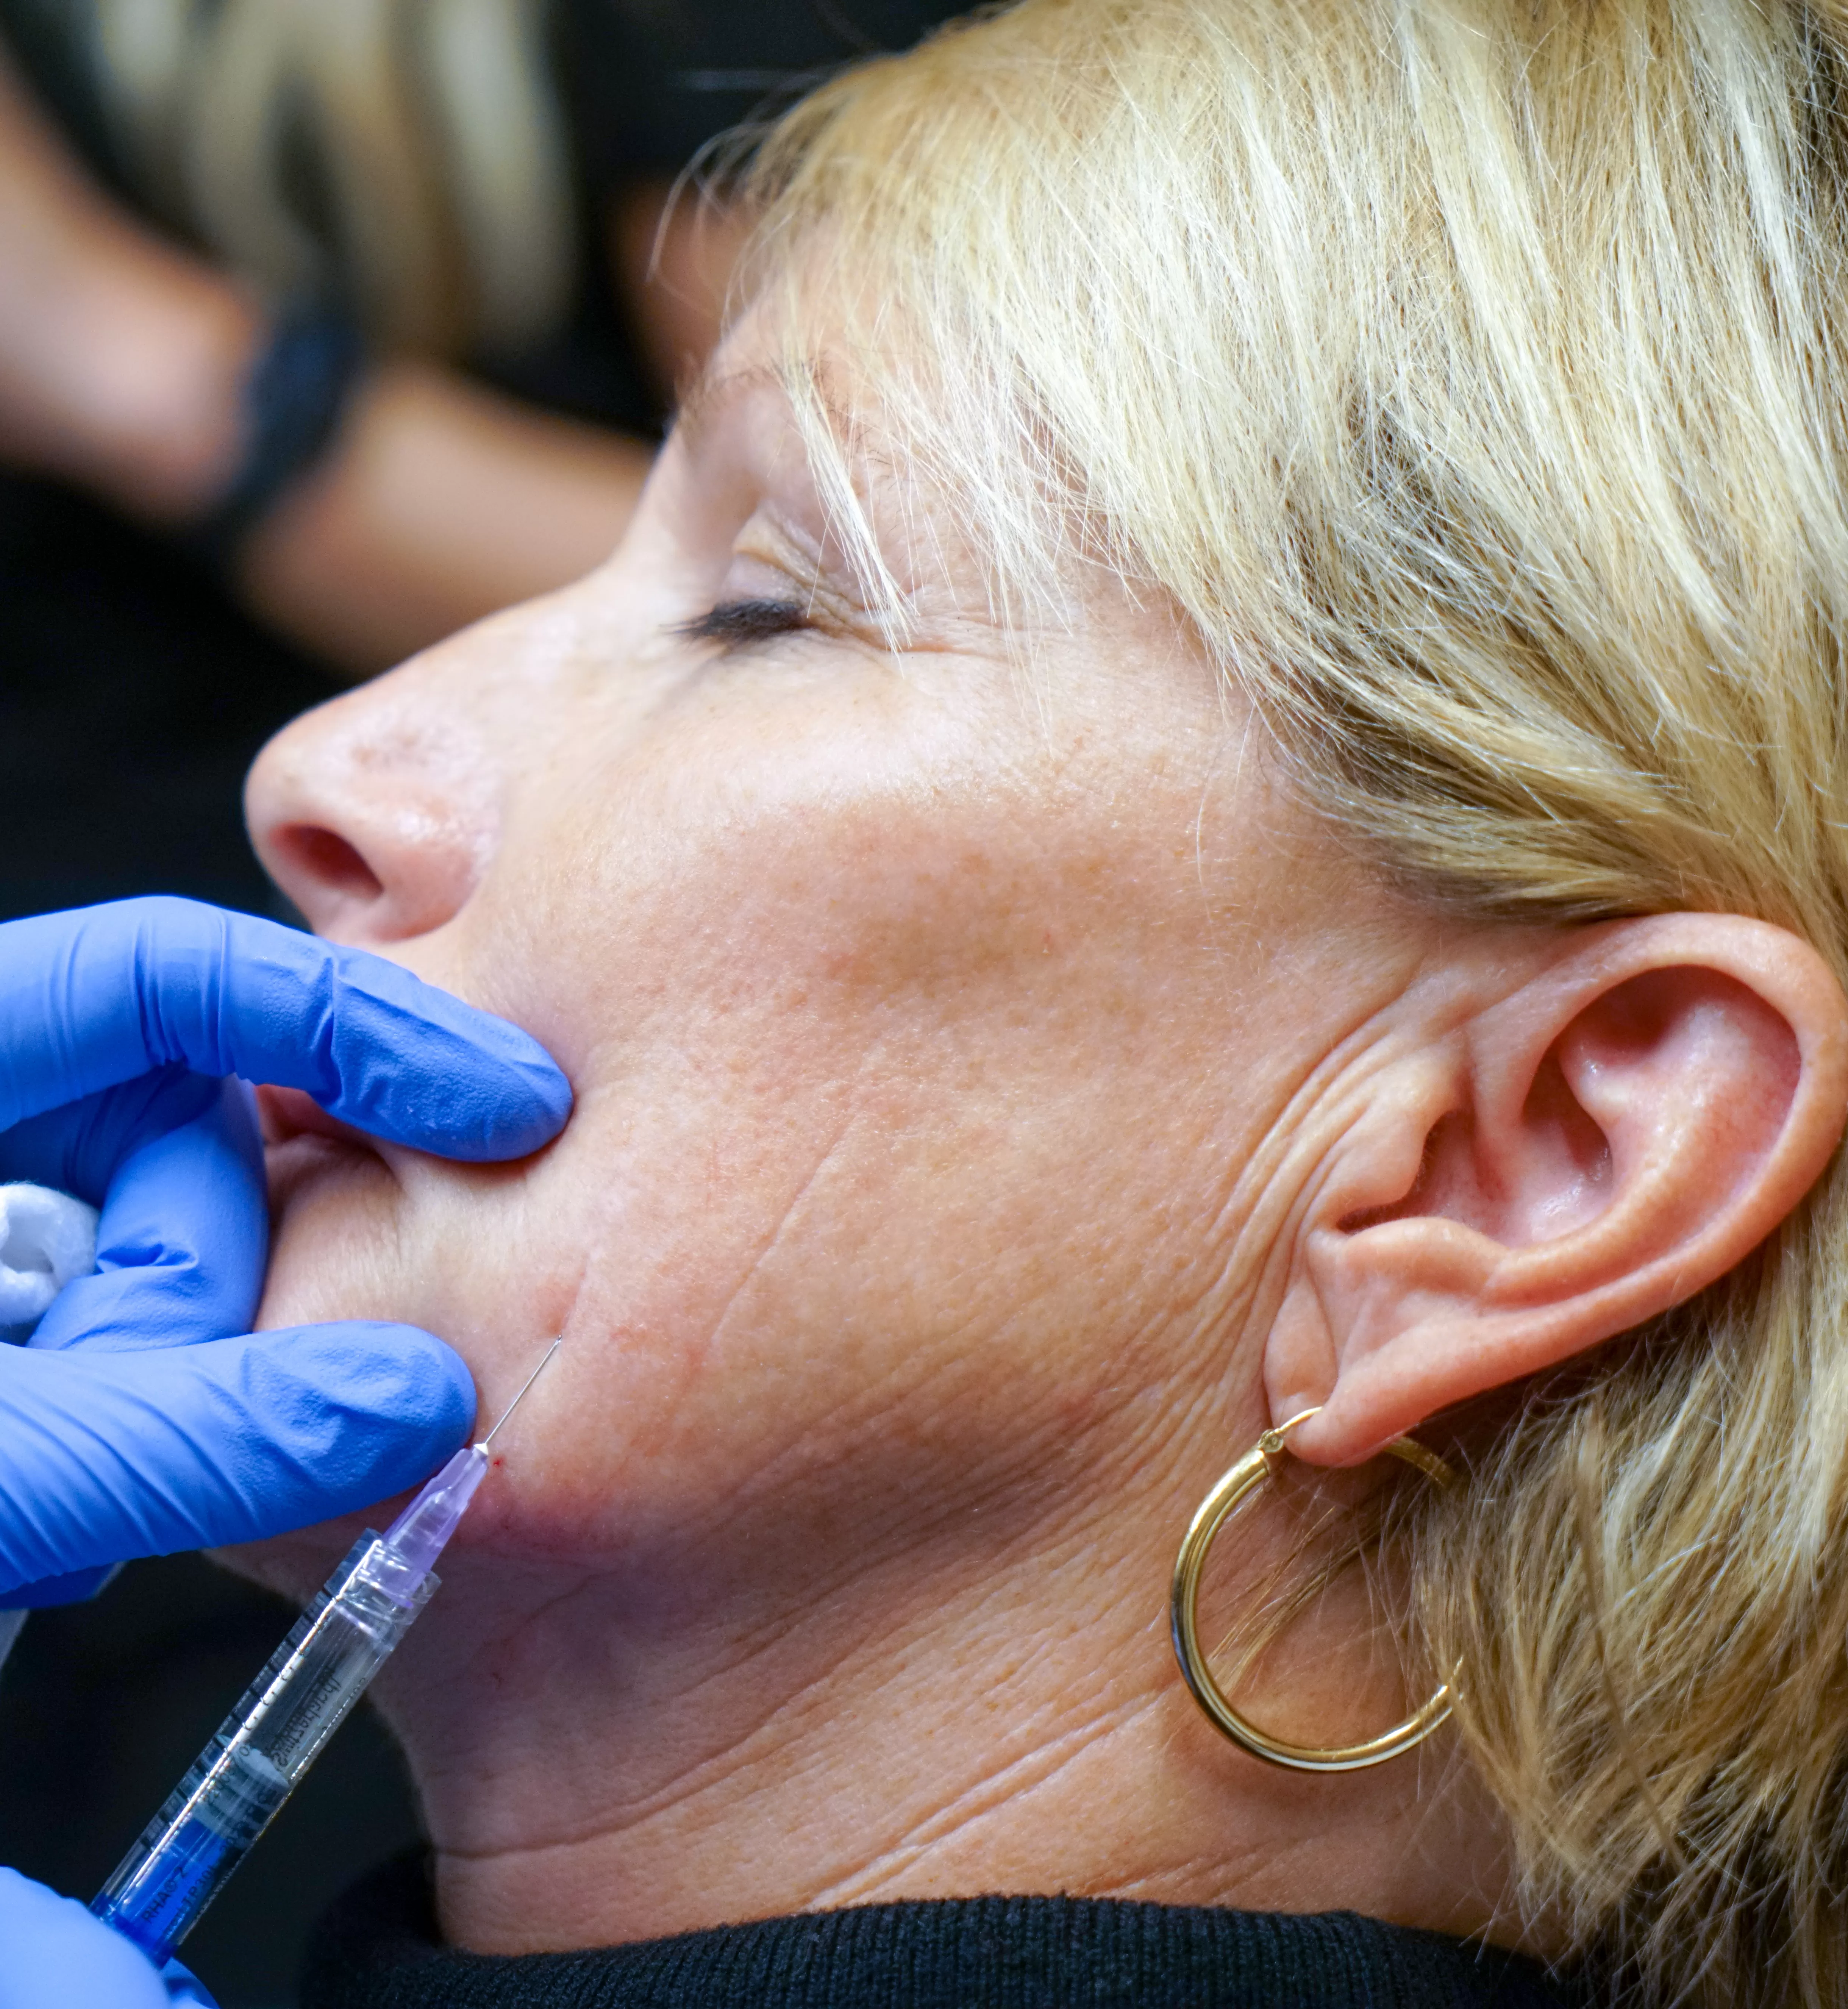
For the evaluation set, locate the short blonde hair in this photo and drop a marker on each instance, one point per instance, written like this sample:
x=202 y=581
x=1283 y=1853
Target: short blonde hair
x=1471 y=372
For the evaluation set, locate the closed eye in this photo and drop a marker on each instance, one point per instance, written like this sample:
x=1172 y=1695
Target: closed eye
x=735 y=624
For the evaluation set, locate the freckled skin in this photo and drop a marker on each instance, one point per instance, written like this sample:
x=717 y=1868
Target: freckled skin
x=931 y=1018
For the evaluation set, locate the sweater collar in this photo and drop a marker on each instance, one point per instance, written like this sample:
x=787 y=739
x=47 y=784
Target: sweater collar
x=378 y=1949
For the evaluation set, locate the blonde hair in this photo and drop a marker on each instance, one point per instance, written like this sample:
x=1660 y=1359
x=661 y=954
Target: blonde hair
x=1471 y=372
x=405 y=155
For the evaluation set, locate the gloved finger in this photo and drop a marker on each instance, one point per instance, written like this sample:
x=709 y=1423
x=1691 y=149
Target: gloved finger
x=54 y=1955
x=76 y=1147
x=176 y=1163
x=74 y=1587
x=185 y=1990
x=98 y=996
x=110 y=1456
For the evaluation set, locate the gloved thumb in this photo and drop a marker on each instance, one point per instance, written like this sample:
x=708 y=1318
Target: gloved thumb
x=57 y=1957
x=111 y=1455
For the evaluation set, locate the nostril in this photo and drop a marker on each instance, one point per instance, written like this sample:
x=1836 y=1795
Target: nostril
x=328 y=861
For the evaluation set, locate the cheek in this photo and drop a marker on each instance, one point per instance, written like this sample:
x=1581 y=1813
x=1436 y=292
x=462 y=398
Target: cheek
x=837 y=1064
x=883 y=1061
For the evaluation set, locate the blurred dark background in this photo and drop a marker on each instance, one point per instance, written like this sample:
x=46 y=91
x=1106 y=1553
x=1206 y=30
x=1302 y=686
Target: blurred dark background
x=132 y=697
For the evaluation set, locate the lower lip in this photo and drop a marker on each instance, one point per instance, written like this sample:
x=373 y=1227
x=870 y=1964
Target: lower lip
x=307 y=1158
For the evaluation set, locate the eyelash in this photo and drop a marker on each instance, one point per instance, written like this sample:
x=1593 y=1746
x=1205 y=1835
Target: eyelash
x=736 y=624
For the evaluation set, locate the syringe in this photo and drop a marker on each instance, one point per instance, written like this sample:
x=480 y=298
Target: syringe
x=256 y=1759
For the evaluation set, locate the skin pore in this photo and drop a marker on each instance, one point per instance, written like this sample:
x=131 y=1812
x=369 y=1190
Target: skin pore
x=987 y=1074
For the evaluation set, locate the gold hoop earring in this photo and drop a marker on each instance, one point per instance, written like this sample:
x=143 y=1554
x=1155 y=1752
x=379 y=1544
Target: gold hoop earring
x=1184 y=1607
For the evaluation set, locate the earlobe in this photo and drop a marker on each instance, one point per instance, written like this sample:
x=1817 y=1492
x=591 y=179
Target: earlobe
x=1608 y=1135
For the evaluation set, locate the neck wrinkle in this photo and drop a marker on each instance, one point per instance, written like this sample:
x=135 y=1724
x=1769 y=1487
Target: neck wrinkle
x=1008 y=1721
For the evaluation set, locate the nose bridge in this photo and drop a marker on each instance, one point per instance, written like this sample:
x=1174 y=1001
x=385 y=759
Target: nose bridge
x=377 y=812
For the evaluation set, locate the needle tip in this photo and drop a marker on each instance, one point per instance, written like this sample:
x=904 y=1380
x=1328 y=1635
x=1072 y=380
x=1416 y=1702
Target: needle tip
x=545 y=1362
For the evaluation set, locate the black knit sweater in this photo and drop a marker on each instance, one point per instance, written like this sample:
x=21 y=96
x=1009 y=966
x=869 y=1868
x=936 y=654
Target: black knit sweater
x=379 y=1949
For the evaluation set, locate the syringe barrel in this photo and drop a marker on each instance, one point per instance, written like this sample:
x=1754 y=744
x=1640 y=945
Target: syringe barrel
x=239 y=1781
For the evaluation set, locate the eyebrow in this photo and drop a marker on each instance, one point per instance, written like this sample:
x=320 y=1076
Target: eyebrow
x=713 y=389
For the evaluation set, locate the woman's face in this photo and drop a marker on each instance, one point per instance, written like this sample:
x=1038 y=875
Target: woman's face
x=936 y=1013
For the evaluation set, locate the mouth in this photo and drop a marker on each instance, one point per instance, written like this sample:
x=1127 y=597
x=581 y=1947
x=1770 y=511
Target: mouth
x=301 y=1140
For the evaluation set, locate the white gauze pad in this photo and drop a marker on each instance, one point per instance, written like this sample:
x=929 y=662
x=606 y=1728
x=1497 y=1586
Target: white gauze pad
x=46 y=1238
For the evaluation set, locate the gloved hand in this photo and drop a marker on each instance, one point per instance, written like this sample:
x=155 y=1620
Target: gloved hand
x=56 y=1956
x=143 y=1418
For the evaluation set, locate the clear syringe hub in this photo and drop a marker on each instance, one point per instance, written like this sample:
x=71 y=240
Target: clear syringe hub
x=421 y=1533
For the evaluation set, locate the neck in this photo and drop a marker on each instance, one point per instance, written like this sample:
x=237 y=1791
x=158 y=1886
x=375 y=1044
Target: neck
x=620 y=1754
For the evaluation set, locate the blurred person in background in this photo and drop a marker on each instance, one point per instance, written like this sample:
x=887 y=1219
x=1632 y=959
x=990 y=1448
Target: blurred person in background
x=371 y=308
x=403 y=172
x=325 y=328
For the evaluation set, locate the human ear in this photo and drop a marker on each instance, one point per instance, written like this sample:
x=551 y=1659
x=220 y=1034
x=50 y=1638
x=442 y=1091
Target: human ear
x=1585 y=1151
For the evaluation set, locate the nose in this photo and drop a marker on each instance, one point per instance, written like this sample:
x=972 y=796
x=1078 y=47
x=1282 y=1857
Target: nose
x=377 y=812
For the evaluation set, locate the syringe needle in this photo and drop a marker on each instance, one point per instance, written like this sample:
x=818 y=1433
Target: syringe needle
x=544 y=1363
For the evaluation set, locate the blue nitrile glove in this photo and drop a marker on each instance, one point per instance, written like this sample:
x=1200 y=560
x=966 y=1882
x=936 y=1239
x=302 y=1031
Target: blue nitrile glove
x=54 y=1955
x=143 y=1417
